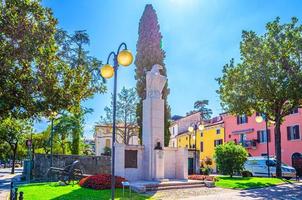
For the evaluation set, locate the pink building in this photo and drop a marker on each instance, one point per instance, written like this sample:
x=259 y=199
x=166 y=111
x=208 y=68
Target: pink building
x=252 y=135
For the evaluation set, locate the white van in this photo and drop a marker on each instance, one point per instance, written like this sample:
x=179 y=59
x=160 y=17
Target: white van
x=257 y=166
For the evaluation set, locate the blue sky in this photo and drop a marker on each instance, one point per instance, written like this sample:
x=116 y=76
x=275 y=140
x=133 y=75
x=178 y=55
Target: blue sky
x=199 y=37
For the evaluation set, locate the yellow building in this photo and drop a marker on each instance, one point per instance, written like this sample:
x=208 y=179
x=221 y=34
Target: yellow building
x=206 y=140
x=211 y=136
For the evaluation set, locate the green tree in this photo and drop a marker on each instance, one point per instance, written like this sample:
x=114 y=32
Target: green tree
x=35 y=78
x=73 y=51
x=27 y=58
x=127 y=100
x=201 y=106
x=148 y=53
x=12 y=131
x=230 y=158
x=269 y=78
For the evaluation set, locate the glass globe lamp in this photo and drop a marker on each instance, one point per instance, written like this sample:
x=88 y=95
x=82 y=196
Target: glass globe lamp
x=107 y=71
x=125 y=58
x=259 y=119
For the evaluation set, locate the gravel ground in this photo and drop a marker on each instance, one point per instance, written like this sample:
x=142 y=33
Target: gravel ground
x=285 y=191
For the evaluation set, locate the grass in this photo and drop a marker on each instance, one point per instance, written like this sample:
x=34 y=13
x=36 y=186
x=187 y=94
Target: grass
x=247 y=182
x=53 y=191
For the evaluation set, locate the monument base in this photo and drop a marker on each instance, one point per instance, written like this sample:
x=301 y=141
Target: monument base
x=129 y=163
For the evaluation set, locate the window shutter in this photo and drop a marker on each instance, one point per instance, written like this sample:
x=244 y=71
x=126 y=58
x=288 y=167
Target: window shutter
x=269 y=135
x=288 y=133
x=258 y=136
x=246 y=117
x=237 y=119
x=297 y=132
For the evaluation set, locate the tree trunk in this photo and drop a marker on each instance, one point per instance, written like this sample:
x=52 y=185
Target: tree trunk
x=14 y=157
x=278 y=147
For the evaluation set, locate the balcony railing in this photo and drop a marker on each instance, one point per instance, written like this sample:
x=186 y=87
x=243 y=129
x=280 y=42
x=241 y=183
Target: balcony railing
x=249 y=144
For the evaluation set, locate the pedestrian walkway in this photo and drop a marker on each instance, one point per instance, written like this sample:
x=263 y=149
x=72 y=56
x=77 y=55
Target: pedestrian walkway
x=5 y=180
x=282 y=192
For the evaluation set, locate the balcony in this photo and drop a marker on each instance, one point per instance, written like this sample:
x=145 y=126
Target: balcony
x=249 y=144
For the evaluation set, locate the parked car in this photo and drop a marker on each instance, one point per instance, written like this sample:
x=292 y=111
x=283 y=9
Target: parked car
x=258 y=166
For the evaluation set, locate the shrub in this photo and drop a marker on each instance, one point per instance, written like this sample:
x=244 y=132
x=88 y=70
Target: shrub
x=230 y=158
x=101 y=181
x=206 y=170
x=246 y=174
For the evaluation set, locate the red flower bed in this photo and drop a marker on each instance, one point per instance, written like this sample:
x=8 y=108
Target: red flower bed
x=101 y=181
x=202 y=177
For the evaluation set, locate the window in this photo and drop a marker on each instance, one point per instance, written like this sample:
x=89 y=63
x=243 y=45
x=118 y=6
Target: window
x=218 y=142
x=186 y=138
x=242 y=138
x=296 y=110
x=293 y=132
x=242 y=119
x=201 y=134
x=262 y=137
x=218 y=131
x=186 y=146
x=173 y=145
x=201 y=146
x=107 y=144
x=264 y=154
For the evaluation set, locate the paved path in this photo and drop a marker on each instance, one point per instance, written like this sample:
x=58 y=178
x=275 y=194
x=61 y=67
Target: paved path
x=286 y=192
x=5 y=179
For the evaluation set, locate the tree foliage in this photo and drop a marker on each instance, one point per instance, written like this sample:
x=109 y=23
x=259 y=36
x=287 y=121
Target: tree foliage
x=127 y=127
x=230 y=158
x=12 y=132
x=149 y=53
x=35 y=75
x=269 y=78
x=201 y=106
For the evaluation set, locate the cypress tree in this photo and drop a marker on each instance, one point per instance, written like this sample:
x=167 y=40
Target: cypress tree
x=149 y=52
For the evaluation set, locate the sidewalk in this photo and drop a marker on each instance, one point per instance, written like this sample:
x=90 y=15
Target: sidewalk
x=5 y=179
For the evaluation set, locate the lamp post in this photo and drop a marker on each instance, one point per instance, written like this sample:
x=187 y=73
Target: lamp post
x=259 y=119
x=120 y=57
x=52 y=117
x=191 y=129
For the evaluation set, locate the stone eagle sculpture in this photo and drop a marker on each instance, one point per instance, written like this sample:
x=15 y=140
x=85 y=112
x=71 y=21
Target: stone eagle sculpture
x=155 y=82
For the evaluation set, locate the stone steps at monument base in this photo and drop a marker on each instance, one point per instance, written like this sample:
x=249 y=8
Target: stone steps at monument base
x=178 y=186
x=173 y=183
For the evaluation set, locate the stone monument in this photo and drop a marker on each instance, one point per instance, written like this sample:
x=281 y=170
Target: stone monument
x=152 y=161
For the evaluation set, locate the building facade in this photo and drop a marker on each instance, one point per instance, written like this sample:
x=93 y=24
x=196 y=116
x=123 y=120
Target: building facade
x=252 y=135
x=181 y=126
x=103 y=137
x=206 y=140
x=209 y=138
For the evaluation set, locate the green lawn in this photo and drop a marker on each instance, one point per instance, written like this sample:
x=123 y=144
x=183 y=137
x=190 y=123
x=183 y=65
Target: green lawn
x=247 y=182
x=53 y=191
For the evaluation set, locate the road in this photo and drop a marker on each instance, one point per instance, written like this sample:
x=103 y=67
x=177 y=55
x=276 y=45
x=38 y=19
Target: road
x=5 y=179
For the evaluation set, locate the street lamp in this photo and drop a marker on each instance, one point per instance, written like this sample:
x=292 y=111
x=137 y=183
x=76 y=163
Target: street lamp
x=191 y=129
x=120 y=57
x=52 y=118
x=259 y=119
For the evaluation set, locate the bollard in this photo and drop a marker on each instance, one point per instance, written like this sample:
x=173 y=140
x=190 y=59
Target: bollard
x=21 y=196
x=11 y=196
x=16 y=194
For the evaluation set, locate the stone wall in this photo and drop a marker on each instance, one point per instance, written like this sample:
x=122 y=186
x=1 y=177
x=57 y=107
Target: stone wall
x=89 y=164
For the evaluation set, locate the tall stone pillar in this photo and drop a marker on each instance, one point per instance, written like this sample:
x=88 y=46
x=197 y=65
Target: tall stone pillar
x=153 y=124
